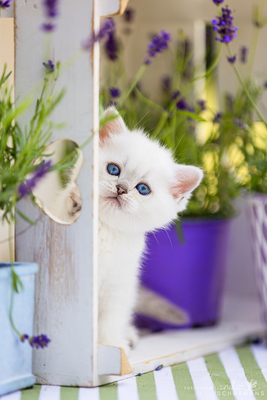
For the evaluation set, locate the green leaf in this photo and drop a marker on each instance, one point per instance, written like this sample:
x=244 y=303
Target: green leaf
x=192 y=115
x=27 y=219
x=179 y=231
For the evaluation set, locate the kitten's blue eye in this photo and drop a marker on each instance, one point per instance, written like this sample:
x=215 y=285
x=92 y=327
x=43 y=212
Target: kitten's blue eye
x=143 y=189
x=113 y=169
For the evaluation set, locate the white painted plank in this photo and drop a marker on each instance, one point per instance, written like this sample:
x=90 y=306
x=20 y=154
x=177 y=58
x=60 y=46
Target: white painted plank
x=66 y=295
x=233 y=368
x=109 y=360
x=165 y=387
x=127 y=389
x=89 y=394
x=260 y=354
x=49 y=393
x=12 y=396
x=203 y=385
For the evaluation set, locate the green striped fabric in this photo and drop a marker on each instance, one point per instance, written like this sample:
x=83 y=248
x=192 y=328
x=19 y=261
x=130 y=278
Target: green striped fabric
x=235 y=372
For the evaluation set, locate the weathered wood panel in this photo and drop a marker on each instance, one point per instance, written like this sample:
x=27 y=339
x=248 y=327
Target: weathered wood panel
x=66 y=300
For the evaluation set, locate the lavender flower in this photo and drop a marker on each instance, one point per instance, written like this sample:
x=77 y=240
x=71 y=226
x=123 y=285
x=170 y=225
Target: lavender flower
x=49 y=66
x=217 y=2
x=217 y=118
x=111 y=47
x=166 y=83
x=48 y=27
x=182 y=104
x=129 y=14
x=36 y=342
x=176 y=94
x=147 y=61
x=5 y=3
x=114 y=92
x=243 y=54
x=265 y=84
x=202 y=104
x=157 y=45
x=223 y=25
x=238 y=122
x=159 y=367
x=231 y=60
x=107 y=28
x=39 y=341
x=24 y=337
x=26 y=187
x=50 y=8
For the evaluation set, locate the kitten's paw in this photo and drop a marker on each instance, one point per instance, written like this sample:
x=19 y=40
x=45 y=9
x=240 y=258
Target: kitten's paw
x=132 y=335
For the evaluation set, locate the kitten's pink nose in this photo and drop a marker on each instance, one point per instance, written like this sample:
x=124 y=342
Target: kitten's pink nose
x=122 y=188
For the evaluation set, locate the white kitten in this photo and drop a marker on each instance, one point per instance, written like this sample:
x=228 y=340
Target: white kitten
x=141 y=189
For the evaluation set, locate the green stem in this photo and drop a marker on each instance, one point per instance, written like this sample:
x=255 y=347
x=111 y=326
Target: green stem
x=255 y=37
x=246 y=90
x=11 y=253
x=129 y=90
x=147 y=101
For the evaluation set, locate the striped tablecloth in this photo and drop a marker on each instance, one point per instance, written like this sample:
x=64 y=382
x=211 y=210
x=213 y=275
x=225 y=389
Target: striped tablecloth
x=236 y=373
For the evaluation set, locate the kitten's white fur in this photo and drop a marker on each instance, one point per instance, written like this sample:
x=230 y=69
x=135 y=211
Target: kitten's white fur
x=124 y=219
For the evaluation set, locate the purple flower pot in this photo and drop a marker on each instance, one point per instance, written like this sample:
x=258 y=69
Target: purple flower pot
x=189 y=275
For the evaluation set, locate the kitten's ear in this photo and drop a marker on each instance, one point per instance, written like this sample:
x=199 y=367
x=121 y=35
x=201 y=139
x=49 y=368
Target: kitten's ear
x=188 y=178
x=113 y=126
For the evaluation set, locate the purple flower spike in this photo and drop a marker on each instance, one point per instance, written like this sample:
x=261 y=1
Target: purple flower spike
x=166 y=83
x=106 y=29
x=24 y=337
x=5 y=3
x=111 y=47
x=176 y=94
x=147 y=61
x=217 y=118
x=50 y=8
x=243 y=54
x=157 y=45
x=48 y=27
x=224 y=27
x=238 y=122
x=202 y=104
x=49 y=66
x=217 y=2
x=129 y=14
x=182 y=104
x=231 y=60
x=40 y=341
x=26 y=187
x=114 y=92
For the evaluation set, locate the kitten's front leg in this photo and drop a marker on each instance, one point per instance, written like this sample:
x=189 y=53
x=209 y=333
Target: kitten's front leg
x=115 y=311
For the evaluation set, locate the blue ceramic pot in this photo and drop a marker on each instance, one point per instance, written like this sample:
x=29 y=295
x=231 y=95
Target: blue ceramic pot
x=15 y=356
x=189 y=275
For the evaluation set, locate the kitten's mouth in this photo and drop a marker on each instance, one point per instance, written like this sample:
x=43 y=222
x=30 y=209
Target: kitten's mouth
x=114 y=200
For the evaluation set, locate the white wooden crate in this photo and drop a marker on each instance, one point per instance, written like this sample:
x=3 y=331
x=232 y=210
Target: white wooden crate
x=66 y=296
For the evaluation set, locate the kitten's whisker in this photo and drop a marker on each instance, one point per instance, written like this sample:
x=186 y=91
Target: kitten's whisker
x=141 y=119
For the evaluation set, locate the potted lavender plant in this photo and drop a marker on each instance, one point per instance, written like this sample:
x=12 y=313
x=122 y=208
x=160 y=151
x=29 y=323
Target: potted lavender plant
x=19 y=175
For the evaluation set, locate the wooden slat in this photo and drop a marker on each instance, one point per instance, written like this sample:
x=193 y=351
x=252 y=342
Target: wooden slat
x=66 y=299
